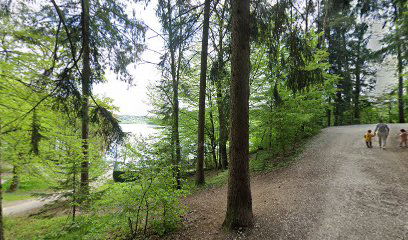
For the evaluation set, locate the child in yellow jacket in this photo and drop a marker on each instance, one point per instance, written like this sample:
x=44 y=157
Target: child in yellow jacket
x=368 y=138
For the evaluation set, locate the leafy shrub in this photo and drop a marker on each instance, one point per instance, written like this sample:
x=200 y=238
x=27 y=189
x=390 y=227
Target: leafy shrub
x=149 y=203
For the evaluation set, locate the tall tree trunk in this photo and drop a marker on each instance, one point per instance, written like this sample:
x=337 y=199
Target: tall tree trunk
x=389 y=111
x=357 y=89
x=397 y=13
x=309 y=6
x=175 y=70
x=201 y=107
x=221 y=103
x=212 y=133
x=86 y=82
x=175 y=128
x=328 y=113
x=326 y=36
x=356 y=114
x=347 y=86
x=223 y=131
x=15 y=182
x=35 y=133
x=239 y=200
x=400 y=84
x=338 y=108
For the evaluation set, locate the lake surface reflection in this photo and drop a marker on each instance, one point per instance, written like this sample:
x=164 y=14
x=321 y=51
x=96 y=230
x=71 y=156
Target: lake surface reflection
x=144 y=130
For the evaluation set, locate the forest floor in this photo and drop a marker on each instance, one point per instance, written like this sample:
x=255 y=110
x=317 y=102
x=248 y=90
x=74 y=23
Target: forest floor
x=336 y=189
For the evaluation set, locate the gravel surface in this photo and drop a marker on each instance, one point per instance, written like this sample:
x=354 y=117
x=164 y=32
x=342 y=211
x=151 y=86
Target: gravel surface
x=337 y=189
x=23 y=207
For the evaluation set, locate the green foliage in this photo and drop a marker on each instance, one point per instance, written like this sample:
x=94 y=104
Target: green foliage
x=61 y=228
x=149 y=202
x=16 y=196
x=32 y=182
x=218 y=180
x=281 y=118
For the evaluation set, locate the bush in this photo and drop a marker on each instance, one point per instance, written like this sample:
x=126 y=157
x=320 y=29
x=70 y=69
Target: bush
x=148 y=203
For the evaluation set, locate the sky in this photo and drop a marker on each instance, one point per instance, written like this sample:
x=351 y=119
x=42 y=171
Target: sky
x=386 y=71
x=133 y=100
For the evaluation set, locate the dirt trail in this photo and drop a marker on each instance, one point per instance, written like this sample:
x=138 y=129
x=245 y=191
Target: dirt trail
x=22 y=207
x=337 y=189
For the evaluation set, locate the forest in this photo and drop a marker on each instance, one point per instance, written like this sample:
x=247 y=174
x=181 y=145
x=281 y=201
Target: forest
x=243 y=85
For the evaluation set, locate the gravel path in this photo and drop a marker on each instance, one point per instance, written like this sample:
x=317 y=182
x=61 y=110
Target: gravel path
x=23 y=207
x=337 y=189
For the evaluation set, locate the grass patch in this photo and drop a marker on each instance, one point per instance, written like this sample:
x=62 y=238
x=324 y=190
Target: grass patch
x=30 y=183
x=62 y=228
x=217 y=180
x=260 y=161
x=16 y=196
x=29 y=187
x=266 y=161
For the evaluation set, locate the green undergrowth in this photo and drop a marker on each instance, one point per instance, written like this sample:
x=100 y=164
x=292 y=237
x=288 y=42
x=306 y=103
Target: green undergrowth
x=218 y=180
x=261 y=161
x=101 y=222
x=6 y=168
x=16 y=196
x=30 y=183
x=266 y=161
x=108 y=223
x=29 y=188
x=62 y=228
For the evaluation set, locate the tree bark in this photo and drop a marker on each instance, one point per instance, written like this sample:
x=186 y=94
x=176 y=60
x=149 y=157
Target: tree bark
x=357 y=89
x=221 y=103
x=86 y=84
x=329 y=113
x=239 y=200
x=347 y=84
x=15 y=182
x=223 y=132
x=401 y=113
x=175 y=135
x=356 y=100
x=201 y=107
x=338 y=108
x=211 y=133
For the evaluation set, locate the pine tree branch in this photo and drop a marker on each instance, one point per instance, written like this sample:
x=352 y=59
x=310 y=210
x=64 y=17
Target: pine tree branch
x=72 y=47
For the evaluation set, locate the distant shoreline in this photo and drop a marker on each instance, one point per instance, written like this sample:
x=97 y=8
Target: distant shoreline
x=132 y=119
x=152 y=125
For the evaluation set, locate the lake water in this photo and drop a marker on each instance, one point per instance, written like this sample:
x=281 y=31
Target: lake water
x=136 y=131
x=144 y=130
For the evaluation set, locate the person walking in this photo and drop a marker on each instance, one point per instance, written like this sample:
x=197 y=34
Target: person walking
x=369 y=138
x=382 y=130
x=403 y=138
